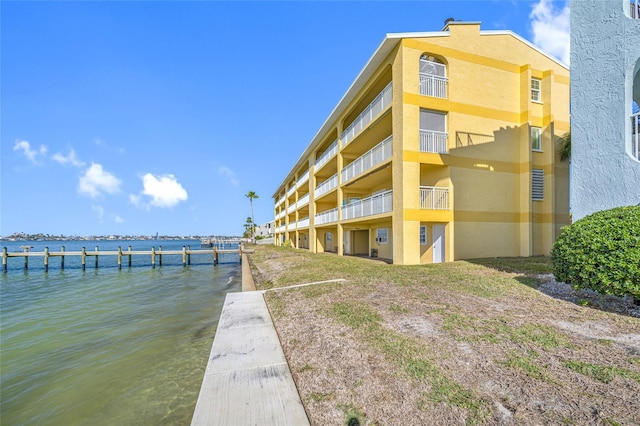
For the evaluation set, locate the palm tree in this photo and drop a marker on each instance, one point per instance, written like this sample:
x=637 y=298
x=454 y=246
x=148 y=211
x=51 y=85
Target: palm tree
x=251 y=196
x=565 y=146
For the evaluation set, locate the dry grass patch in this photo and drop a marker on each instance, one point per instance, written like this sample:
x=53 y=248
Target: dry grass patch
x=456 y=343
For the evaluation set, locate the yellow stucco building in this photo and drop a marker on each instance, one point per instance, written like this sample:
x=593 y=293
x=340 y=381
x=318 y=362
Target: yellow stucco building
x=443 y=148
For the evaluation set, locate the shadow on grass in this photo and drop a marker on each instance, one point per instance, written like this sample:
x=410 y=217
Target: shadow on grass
x=535 y=274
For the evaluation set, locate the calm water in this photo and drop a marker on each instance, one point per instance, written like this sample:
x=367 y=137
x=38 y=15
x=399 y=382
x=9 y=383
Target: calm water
x=108 y=346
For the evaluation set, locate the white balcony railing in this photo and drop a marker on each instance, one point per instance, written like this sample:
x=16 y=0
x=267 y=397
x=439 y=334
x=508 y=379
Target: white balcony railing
x=327 y=217
x=291 y=208
x=326 y=186
x=375 y=204
x=635 y=134
x=279 y=215
x=327 y=155
x=434 y=198
x=432 y=141
x=634 y=9
x=433 y=85
x=291 y=191
x=303 y=223
x=281 y=200
x=303 y=201
x=370 y=113
x=370 y=159
x=281 y=228
x=302 y=179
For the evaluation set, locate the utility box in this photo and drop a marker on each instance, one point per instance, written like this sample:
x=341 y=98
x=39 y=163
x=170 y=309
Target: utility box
x=374 y=252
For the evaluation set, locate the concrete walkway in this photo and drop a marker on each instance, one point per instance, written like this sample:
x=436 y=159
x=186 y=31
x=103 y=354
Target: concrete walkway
x=247 y=380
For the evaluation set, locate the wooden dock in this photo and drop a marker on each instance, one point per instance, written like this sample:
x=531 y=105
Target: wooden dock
x=154 y=255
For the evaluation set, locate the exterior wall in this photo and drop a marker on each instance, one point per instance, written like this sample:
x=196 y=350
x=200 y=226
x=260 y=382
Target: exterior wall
x=605 y=53
x=487 y=170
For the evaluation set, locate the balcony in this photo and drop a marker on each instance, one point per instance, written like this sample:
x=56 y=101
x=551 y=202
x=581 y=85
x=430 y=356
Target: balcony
x=281 y=229
x=433 y=141
x=370 y=113
x=434 y=198
x=327 y=217
x=291 y=191
x=433 y=85
x=370 y=159
x=303 y=223
x=375 y=204
x=303 y=201
x=302 y=179
x=327 y=155
x=326 y=186
x=292 y=208
x=635 y=134
x=279 y=215
x=634 y=9
x=280 y=201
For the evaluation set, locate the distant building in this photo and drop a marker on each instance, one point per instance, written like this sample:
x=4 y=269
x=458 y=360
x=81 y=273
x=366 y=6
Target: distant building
x=605 y=81
x=265 y=230
x=443 y=148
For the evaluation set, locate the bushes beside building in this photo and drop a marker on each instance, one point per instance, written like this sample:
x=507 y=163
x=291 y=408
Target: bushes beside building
x=601 y=252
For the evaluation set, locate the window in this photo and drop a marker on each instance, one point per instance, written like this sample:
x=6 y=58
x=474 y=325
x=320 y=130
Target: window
x=536 y=139
x=433 y=77
x=382 y=236
x=423 y=235
x=535 y=90
x=537 y=184
x=433 y=135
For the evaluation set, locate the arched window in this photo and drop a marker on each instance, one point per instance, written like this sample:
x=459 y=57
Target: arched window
x=433 y=77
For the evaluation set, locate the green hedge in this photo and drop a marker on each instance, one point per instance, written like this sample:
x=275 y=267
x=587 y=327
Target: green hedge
x=601 y=252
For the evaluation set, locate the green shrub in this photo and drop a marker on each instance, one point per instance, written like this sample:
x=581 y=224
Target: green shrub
x=601 y=252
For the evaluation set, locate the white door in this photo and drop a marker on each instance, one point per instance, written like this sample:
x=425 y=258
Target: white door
x=438 y=243
x=347 y=242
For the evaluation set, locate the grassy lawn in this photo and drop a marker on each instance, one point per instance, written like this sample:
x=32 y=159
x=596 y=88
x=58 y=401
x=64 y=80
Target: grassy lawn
x=467 y=342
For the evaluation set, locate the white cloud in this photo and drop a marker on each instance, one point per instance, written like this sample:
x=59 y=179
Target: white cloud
x=118 y=219
x=27 y=151
x=96 y=181
x=225 y=171
x=164 y=190
x=550 y=26
x=70 y=158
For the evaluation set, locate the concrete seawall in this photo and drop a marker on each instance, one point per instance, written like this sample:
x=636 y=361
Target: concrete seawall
x=247 y=380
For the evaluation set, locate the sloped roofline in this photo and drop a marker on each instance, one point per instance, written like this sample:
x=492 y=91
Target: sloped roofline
x=389 y=42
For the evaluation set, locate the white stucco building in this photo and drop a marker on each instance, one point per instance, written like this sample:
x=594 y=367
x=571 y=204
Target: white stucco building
x=605 y=80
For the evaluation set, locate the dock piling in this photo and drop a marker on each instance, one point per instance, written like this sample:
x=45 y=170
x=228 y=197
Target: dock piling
x=83 y=258
x=129 y=257
x=184 y=256
x=4 y=259
x=119 y=257
x=46 y=259
x=96 y=257
x=189 y=255
x=160 y=255
x=62 y=258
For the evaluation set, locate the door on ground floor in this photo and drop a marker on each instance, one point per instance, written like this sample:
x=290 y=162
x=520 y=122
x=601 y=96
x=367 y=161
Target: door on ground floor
x=438 y=244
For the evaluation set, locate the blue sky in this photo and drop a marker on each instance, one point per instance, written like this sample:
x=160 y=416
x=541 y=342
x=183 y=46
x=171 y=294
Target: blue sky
x=145 y=117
